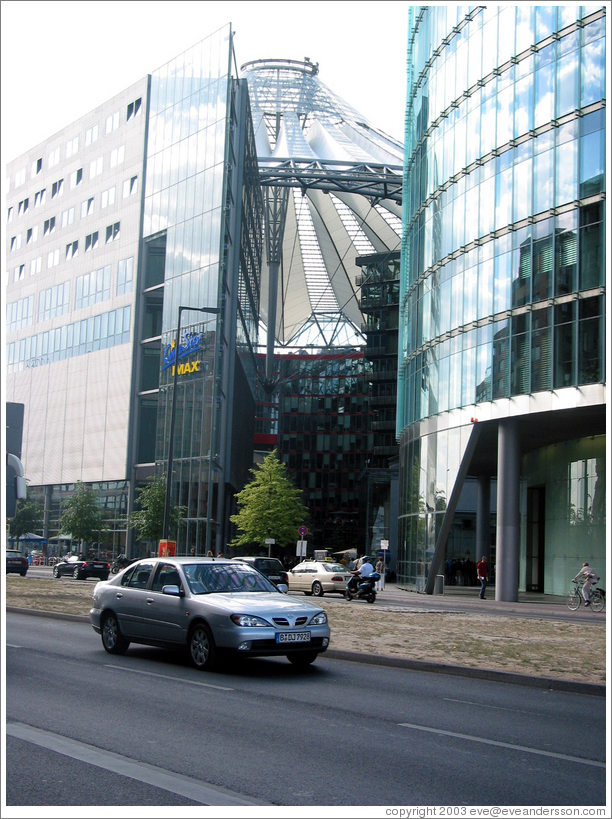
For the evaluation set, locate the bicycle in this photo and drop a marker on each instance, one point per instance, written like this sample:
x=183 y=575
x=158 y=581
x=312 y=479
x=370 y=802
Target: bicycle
x=575 y=597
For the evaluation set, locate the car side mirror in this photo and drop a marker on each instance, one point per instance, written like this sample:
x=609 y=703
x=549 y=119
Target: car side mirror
x=283 y=587
x=173 y=591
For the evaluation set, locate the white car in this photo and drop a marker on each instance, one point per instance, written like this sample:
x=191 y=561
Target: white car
x=319 y=578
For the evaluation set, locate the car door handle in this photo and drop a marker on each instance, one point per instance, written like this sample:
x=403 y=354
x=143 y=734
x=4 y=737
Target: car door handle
x=150 y=600
x=119 y=595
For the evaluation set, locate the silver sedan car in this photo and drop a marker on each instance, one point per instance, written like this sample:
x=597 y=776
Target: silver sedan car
x=208 y=605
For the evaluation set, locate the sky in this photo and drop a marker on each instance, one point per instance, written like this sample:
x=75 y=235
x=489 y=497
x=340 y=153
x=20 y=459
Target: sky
x=60 y=60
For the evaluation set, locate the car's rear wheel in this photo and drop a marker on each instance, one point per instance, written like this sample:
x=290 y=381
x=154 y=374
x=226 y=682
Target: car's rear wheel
x=104 y=576
x=202 y=648
x=317 y=589
x=112 y=639
x=23 y=573
x=303 y=658
x=77 y=573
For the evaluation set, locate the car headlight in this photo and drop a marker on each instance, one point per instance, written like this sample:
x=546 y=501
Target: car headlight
x=319 y=619
x=246 y=620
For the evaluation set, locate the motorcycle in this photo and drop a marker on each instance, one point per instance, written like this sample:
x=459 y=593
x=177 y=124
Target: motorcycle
x=366 y=588
x=119 y=563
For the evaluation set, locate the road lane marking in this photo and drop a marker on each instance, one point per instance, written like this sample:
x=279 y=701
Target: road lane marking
x=522 y=748
x=185 y=786
x=168 y=677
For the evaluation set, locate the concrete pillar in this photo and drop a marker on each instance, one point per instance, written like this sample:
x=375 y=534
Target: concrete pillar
x=483 y=518
x=508 y=511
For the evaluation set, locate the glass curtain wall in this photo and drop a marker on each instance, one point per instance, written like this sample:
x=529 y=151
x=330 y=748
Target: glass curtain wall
x=502 y=290
x=184 y=200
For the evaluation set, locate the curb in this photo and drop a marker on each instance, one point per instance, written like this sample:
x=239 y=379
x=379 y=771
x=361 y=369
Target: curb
x=548 y=683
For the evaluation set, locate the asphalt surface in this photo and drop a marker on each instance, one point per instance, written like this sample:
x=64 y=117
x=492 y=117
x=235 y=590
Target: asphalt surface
x=458 y=600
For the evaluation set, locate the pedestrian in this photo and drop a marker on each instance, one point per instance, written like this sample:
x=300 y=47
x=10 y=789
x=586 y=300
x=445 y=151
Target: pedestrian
x=590 y=577
x=483 y=576
x=209 y=553
x=380 y=568
x=192 y=552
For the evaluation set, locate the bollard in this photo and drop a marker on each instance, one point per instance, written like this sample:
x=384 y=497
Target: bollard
x=439 y=585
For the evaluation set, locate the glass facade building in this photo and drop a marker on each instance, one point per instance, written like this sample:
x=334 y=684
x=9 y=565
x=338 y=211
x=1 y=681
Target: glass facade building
x=502 y=303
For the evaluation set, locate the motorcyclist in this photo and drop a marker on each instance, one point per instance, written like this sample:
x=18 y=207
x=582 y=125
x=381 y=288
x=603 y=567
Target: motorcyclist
x=365 y=570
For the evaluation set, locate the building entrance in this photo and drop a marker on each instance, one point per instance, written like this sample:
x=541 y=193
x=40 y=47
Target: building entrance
x=534 y=580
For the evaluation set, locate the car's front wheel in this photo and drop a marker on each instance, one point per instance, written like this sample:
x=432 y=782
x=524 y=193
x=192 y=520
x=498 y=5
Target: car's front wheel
x=202 y=648
x=303 y=658
x=317 y=589
x=56 y=573
x=77 y=573
x=112 y=639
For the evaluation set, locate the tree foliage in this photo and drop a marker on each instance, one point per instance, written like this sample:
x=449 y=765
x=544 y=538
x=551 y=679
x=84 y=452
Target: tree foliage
x=149 y=519
x=269 y=506
x=28 y=518
x=82 y=516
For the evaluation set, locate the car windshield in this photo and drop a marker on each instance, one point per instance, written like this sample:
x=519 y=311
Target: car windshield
x=206 y=578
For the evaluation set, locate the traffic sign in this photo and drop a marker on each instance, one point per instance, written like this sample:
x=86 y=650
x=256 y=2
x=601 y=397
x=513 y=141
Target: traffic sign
x=302 y=531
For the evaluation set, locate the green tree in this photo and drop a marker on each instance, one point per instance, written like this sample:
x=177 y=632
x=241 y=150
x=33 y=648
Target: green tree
x=149 y=519
x=82 y=516
x=269 y=506
x=28 y=518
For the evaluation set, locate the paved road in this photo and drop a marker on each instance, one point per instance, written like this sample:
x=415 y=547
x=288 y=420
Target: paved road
x=149 y=729
x=461 y=599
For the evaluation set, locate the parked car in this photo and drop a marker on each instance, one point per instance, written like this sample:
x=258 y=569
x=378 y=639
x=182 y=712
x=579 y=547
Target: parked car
x=210 y=607
x=271 y=567
x=319 y=578
x=80 y=568
x=16 y=563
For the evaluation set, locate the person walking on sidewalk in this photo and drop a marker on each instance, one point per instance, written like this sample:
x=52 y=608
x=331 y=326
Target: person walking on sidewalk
x=483 y=576
x=590 y=577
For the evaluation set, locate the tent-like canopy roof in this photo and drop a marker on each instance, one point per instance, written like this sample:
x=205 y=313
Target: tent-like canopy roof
x=344 y=179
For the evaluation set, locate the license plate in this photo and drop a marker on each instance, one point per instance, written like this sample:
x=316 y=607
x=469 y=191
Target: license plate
x=98 y=565
x=274 y=577
x=293 y=637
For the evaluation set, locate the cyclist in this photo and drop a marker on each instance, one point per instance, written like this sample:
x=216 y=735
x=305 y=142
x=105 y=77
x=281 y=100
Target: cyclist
x=590 y=577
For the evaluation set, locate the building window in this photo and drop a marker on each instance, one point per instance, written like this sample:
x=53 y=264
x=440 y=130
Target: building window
x=39 y=198
x=57 y=188
x=93 y=287
x=91 y=241
x=36 y=266
x=95 y=167
x=23 y=207
x=19 y=273
x=9 y=215
x=130 y=186
x=20 y=314
x=20 y=177
x=32 y=235
x=67 y=217
x=72 y=146
x=16 y=242
x=49 y=226
x=107 y=198
x=54 y=302
x=134 y=109
x=117 y=155
x=112 y=122
x=54 y=158
x=72 y=250
x=53 y=258
x=91 y=134
x=87 y=207
x=125 y=274
x=76 y=177
x=112 y=232
x=36 y=167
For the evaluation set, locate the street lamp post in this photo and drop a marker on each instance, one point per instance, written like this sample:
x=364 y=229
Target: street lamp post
x=214 y=310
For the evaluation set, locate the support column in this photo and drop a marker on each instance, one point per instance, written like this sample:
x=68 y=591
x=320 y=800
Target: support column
x=483 y=518
x=508 y=511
